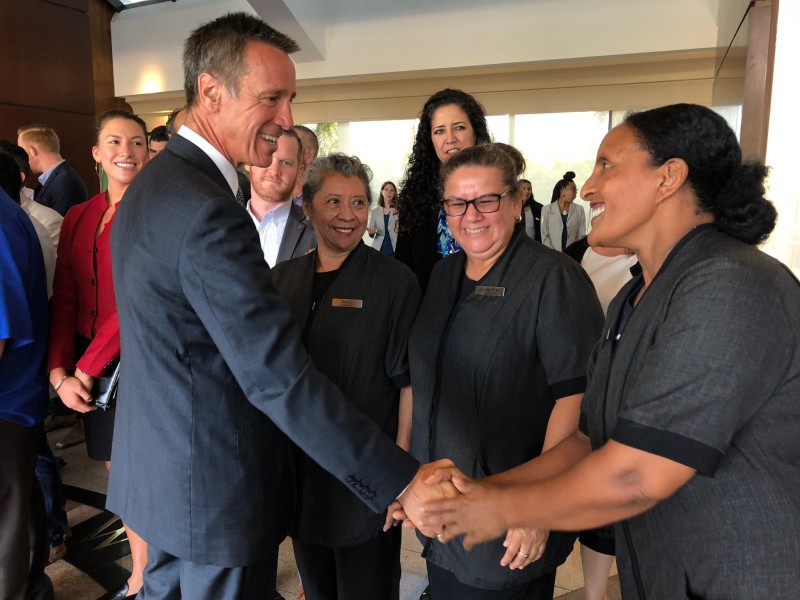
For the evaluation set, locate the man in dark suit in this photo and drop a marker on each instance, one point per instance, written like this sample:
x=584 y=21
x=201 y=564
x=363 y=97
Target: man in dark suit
x=60 y=186
x=214 y=377
x=283 y=230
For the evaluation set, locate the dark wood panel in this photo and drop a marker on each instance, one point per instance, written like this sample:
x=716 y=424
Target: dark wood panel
x=48 y=58
x=76 y=133
x=758 y=78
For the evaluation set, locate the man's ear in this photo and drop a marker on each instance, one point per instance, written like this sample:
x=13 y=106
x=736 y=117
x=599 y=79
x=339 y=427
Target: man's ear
x=209 y=91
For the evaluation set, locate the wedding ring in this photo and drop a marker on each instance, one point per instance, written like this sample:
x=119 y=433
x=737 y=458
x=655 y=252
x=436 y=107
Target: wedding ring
x=523 y=555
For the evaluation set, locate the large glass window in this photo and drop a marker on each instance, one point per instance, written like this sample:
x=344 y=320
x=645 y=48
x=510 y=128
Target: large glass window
x=555 y=143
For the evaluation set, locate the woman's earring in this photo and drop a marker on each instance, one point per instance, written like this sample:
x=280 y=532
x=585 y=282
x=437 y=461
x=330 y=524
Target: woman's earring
x=98 y=168
x=518 y=219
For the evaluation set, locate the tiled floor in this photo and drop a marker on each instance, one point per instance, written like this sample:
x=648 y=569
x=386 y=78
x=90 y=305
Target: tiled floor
x=72 y=584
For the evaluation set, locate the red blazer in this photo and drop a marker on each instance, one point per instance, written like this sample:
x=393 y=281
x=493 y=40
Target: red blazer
x=83 y=293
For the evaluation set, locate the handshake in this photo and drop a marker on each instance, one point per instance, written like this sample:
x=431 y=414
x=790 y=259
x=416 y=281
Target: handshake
x=444 y=503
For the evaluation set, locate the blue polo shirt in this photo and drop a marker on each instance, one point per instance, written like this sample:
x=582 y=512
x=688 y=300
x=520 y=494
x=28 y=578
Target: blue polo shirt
x=23 y=318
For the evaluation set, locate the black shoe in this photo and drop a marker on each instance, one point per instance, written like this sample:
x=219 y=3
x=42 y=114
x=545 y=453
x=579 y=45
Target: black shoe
x=426 y=593
x=119 y=594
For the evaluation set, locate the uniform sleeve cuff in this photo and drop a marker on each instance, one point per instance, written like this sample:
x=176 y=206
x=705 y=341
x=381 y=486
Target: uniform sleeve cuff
x=674 y=446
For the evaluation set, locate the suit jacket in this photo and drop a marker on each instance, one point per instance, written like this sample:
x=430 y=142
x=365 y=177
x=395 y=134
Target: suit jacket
x=551 y=225
x=83 y=293
x=62 y=190
x=376 y=220
x=535 y=218
x=298 y=235
x=214 y=378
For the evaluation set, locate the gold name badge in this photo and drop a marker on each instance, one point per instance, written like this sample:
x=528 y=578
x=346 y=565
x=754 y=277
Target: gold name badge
x=487 y=290
x=347 y=303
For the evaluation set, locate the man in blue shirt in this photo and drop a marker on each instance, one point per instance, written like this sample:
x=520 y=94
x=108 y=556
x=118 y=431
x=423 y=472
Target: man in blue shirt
x=23 y=400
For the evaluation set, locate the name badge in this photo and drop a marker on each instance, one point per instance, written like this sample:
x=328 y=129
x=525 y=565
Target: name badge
x=488 y=290
x=347 y=303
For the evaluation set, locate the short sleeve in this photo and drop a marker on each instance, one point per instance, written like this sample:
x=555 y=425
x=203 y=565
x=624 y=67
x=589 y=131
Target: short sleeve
x=401 y=316
x=712 y=363
x=569 y=323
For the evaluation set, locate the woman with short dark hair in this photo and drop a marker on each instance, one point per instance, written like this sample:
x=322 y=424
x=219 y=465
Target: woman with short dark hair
x=355 y=306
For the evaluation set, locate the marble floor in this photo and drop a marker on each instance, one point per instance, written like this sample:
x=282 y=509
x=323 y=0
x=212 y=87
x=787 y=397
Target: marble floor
x=72 y=583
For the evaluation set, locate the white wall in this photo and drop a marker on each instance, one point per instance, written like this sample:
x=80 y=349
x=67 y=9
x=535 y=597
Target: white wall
x=386 y=36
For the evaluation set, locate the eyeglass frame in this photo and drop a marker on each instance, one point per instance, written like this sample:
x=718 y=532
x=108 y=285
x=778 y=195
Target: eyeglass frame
x=474 y=203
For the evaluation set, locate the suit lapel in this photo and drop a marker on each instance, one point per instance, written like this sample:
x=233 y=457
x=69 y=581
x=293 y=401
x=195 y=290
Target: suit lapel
x=295 y=225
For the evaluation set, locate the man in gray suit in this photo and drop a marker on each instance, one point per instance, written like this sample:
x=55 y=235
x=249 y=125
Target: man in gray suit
x=215 y=379
x=283 y=230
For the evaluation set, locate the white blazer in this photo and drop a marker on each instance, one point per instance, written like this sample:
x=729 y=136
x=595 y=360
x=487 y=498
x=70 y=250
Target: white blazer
x=376 y=220
x=551 y=225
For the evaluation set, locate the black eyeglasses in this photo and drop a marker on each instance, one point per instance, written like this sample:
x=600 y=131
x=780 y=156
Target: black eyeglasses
x=488 y=203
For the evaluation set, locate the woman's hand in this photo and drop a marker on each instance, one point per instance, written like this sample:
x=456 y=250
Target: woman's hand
x=476 y=513
x=74 y=395
x=86 y=379
x=372 y=231
x=523 y=546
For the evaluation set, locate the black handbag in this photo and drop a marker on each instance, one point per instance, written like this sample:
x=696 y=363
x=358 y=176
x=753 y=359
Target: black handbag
x=104 y=391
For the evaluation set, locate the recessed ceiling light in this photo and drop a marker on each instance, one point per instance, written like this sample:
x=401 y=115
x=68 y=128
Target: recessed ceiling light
x=126 y=4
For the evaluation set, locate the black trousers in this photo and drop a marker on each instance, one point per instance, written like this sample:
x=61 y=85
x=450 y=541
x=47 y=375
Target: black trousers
x=369 y=570
x=445 y=586
x=24 y=547
x=167 y=577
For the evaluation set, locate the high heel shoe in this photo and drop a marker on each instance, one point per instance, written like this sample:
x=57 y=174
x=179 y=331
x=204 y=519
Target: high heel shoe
x=120 y=594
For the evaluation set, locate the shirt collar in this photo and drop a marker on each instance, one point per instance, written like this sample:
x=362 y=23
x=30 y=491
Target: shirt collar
x=226 y=168
x=46 y=175
x=276 y=215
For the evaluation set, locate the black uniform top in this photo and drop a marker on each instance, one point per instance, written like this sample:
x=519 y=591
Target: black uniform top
x=486 y=371
x=357 y=335
x=707 y=373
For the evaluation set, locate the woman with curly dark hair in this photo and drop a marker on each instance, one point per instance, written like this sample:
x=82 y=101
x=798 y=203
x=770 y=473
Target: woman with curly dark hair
x=450 y=121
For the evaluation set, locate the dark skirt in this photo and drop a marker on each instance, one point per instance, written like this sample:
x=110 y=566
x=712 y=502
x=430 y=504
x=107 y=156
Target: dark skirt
x=98 y=424
x=99 y=429
x=600 y=540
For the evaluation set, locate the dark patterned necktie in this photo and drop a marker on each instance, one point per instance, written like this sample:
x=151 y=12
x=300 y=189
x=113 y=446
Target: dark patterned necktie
x=240 y=197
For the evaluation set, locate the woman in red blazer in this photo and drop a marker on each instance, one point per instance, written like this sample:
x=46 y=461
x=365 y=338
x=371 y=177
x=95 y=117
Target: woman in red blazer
x=84 y=331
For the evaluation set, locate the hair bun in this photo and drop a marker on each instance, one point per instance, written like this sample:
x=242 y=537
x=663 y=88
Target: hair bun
x=569 y=175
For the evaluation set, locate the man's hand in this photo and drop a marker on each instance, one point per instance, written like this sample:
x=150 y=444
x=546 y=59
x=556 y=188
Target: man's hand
x=419 y=492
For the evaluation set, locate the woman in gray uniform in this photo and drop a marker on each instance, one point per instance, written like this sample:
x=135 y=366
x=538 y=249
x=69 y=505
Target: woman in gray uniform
x=498 y=358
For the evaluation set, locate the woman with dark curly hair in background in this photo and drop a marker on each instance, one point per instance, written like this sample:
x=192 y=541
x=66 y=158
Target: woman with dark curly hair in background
x=450 y=121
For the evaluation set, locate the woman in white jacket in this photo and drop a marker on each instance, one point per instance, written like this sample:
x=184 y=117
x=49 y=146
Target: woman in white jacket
x=562 y=221
x=383 y=220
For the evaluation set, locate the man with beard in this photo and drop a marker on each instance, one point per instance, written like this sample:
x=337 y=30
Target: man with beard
x=283 y=230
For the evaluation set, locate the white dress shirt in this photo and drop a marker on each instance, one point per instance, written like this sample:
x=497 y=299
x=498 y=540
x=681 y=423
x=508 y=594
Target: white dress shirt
x=270 y=230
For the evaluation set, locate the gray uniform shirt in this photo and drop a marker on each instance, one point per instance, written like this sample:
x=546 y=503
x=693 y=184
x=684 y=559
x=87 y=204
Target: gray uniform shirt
x=707 y=374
